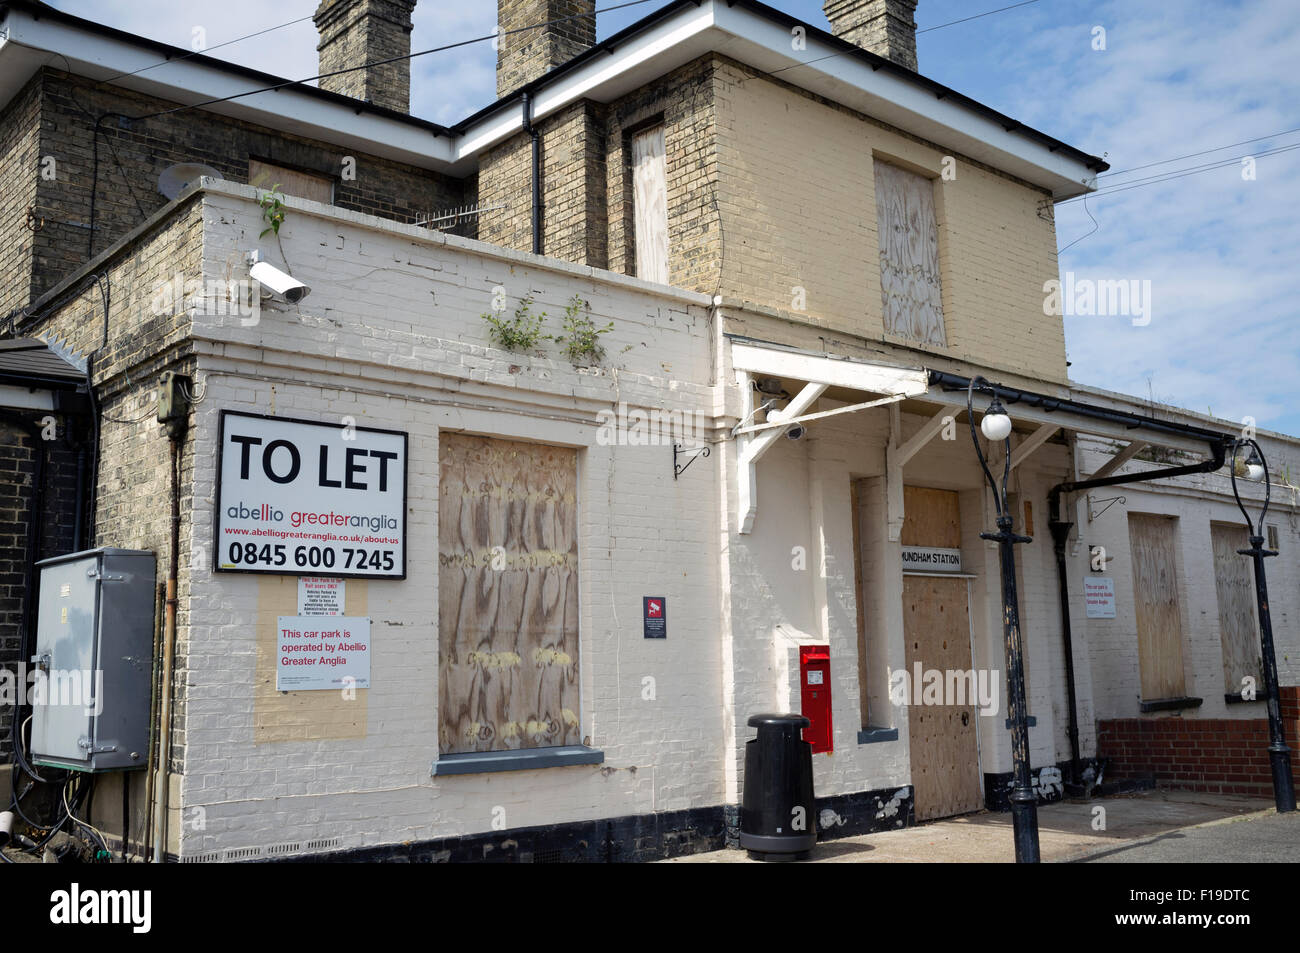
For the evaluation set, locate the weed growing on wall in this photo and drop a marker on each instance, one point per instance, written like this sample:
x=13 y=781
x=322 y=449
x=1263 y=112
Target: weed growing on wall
x=580 y=338
x=520 y=332
x=273 y=210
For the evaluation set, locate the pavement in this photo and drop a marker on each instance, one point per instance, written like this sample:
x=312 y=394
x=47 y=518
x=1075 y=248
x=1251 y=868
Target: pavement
x=1161 y=826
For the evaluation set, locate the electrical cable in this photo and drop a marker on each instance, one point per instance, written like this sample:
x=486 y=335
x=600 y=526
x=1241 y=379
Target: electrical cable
x=1178 y=174
x=202 y=52
x=929 y=29
x=393 y=59
x=1193 y=155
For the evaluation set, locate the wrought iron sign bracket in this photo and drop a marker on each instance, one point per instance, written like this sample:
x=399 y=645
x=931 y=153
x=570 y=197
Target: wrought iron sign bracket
x=680 y=451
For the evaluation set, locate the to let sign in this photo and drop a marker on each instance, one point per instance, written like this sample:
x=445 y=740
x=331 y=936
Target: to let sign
x=303 y=498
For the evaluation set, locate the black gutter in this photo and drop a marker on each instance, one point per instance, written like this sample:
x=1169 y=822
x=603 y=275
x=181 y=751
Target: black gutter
x=1013 y=395
x=844 y=48
x=537 y=172
x=1217 y=443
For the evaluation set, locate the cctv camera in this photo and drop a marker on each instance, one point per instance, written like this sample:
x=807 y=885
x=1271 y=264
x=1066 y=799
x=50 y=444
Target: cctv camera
x=795 y=433
x=286 y=286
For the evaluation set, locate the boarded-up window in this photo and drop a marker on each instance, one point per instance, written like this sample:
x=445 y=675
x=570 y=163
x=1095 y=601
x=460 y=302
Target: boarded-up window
x=1235 y=587
x=265 y=175
x=507 y=595
x=1155 y=600
x=910 y=290
x=650 y=202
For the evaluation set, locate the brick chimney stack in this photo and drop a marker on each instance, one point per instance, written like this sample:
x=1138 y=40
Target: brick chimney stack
x=356 y=32
x=524 y=56
x=885 y=27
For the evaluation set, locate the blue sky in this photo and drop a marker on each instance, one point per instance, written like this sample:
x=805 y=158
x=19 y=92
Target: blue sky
x=1221 y=252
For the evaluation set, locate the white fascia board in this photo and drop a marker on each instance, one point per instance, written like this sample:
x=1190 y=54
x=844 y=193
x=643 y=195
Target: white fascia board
x=886 y=96
x=188 y=81
x=834 y=372
x=604 y=78
x=26 y=398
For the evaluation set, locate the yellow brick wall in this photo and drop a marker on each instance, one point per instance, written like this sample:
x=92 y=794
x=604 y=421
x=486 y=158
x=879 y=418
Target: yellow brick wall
x=797 y=196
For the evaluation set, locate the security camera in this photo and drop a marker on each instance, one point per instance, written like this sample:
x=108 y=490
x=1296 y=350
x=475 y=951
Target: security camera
x=286 y=286
x=795 y=433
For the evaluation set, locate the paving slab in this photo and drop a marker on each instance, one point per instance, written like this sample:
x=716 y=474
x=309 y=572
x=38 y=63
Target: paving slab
x=1067 y=831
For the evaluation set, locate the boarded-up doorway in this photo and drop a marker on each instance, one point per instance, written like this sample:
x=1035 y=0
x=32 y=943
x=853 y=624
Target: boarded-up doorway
x=1238 y=631
x=1155 y=600
x=507 y=595
x=944 y=741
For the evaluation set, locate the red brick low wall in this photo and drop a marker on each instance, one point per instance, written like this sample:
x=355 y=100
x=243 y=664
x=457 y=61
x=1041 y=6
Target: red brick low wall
x=1217 y=755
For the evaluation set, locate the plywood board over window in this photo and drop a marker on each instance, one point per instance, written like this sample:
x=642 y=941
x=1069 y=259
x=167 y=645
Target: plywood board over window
x=304 y=185
x=507 y=595
x=910 y=289
x=1235 y=587
x=1155 y=599
x=650 y=203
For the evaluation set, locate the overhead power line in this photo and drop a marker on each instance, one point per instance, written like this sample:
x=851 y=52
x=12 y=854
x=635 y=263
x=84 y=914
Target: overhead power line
x=391 y=59
x=1194 y=155
x=205 y=50
x=929 y=29
x=1178 y=174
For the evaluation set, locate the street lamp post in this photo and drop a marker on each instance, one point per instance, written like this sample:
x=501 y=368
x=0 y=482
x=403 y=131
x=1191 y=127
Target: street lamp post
x=1278 y=753
x=996 y=425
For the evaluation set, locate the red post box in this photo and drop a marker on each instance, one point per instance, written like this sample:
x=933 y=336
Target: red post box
x=815 y=695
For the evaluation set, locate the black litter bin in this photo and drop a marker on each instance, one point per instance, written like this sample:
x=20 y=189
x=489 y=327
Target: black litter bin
x=777 y=810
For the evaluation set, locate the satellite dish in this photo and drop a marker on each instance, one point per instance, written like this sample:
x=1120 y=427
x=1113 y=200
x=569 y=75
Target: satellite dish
x=175 y=179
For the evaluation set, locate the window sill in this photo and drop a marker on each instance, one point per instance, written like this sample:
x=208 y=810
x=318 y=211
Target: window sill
x=520 y=759
x=870 y=736
x=1236 y=699
x=1169 y=704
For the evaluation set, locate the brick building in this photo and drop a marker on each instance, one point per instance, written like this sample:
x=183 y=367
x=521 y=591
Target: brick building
x=762 y=222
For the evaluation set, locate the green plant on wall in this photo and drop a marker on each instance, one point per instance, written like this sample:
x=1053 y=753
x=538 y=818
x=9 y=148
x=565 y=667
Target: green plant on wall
x=580 y=338
x=273 y=210
x=521 y=331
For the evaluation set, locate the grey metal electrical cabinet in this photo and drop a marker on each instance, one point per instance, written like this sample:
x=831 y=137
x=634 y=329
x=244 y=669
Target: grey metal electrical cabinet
x=94 y=657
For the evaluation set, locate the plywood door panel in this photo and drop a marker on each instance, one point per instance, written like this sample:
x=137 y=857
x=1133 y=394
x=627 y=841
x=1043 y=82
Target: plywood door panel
x=1235 y=585
x=910 y=290
x=264 y=175
x=931 y=518
x=508 y=594
x=650 y=204
x=943 y=744
x=1155 y=601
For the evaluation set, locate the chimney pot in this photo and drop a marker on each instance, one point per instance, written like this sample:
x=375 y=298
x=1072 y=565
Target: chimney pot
x=356 y=32
x=885 y=27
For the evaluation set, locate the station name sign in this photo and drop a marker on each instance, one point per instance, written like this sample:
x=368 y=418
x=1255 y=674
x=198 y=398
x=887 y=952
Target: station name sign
x=296 y=497
x=931 y=559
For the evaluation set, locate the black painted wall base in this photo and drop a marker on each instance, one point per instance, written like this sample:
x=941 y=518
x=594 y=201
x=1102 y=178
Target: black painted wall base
x=633 y=838
x=1048 y=783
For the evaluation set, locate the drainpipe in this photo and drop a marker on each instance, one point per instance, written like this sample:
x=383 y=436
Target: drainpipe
x=537 y=172
x=177 y=434
x=1061 y=531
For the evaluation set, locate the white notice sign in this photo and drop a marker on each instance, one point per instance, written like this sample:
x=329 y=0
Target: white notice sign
x=931 y=559
x=1099 y=596
x=298 y=497
x=316 y=653
x=320 y=596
